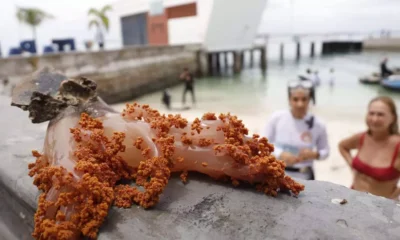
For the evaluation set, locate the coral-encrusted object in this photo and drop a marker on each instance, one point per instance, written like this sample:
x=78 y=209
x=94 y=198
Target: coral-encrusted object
x=91 y=153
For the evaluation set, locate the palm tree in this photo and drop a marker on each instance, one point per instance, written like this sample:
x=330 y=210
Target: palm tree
x=100 y=21
x=32 y=17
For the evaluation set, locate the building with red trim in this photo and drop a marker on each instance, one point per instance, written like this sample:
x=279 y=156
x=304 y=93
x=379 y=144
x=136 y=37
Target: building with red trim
x=219 y=25
x=158 y=22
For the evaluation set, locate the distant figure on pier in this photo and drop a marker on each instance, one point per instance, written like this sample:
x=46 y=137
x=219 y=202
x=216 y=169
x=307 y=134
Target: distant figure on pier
x=332 y=78
x=385 y=71
x=187 y=77
x=298 y=136
x=376 y=166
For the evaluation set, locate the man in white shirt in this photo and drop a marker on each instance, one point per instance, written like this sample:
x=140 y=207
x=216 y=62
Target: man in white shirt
x=299 y=137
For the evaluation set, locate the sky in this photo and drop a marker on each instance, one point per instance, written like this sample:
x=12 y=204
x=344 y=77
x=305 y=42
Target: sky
x=280 y=16
x=305 y=16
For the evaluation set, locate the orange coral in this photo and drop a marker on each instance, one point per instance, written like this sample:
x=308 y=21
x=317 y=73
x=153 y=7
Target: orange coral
x=183 y=176
x=101 y=167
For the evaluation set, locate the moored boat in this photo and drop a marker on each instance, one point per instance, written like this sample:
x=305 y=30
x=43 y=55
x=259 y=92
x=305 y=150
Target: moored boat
x=391 y=83
x=374 y=78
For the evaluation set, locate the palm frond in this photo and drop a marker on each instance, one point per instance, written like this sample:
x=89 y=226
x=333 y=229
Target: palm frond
x=101 y=15
x=94 y=12
x=20 y=14
x=94 y=22
x=105 y=21
x=32 y=16
x=105 y=9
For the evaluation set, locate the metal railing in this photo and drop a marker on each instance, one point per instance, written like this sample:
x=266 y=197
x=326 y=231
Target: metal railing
x=341 y=35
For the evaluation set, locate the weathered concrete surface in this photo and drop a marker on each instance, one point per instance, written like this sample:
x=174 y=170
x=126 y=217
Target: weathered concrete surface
x=120 y=74
x=202 y=209
x=16 y=217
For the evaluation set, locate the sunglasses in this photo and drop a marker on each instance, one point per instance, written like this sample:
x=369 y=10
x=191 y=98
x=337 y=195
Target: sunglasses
x=300 y=84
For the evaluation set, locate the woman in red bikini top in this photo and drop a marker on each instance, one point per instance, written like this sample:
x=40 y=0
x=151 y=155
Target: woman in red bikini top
x=376 y=166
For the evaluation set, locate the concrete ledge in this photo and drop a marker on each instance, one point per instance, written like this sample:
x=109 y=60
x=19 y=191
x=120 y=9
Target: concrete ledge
x=121 y=74
x=148 y=75
x=389 y=44
x=20 y=65
x=201 y=209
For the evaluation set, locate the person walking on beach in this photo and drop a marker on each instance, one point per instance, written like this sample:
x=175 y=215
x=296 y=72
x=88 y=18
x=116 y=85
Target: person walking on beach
x=298 y=136
x=188 y=79
x=376 y=166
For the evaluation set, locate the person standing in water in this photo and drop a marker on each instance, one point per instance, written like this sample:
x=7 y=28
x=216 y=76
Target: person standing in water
x=187 y=77
x=298 y=136
x=166 y=98
x=376 y=166
x=385 y=71
x=316 y=79
x=332 y=78
x=309 y=78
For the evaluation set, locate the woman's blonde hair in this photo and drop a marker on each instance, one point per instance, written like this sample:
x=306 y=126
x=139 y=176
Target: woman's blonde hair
x=394 y=126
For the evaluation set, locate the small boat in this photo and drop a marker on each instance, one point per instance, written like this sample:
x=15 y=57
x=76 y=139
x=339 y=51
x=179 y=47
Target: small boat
x=391 y=83
x=374 y=78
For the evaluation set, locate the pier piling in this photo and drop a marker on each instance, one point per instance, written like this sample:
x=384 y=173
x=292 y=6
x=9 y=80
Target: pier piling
x=237 y=61
x=312 y=50
x=210 y=63
x=217 y=62
x=298 y=51
x=251 y=58
x=263 y=58
x=282 y=53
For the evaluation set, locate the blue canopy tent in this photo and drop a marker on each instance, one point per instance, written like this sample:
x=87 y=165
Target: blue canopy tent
x=28 y=46
x=48 y=49
x=61 y=43
x=15 y=51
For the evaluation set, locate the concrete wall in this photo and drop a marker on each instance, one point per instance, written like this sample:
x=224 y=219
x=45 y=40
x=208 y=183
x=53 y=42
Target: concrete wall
x=180 y=20
x=240 y=24
x=181 y=31
x=120 y=74
x=392 y=44
x=201 y=209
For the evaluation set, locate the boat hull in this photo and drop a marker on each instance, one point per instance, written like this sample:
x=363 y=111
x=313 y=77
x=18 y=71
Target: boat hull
x=393 y=85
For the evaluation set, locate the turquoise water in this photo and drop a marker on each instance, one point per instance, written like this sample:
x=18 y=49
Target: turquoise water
x=251 y=90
